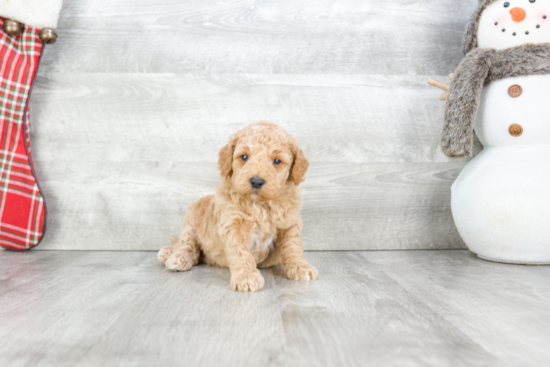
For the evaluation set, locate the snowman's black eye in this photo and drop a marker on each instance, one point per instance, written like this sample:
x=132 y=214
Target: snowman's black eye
x=506 y=4
x=532 y=1
x=538 y=25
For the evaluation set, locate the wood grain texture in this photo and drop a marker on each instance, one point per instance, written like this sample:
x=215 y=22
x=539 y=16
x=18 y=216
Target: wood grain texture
x=376 y=308
x=473 y=286
x=139 y=205
x=182 y=118
x=120 y=157
x=248 y=36
x=134 y=101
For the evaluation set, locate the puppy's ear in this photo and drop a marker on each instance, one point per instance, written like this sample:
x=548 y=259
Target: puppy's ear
x=225 y=160
x=299 y=167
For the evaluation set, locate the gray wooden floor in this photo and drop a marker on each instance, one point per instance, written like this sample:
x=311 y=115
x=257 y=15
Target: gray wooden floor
x=403 y=308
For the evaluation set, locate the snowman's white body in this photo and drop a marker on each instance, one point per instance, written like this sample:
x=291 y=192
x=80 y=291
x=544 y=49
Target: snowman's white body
x=501 y=200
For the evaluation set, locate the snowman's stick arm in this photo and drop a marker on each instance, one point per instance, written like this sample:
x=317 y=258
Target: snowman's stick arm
x=438 y=84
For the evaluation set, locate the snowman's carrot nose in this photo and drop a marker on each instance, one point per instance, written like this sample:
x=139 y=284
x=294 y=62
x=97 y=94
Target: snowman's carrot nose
x=518 y=14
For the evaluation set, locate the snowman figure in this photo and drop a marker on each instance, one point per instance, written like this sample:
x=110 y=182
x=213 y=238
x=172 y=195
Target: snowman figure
x=501 y=200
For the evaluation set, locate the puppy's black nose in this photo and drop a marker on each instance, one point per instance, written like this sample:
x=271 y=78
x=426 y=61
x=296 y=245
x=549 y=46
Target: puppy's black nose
x=257 y=182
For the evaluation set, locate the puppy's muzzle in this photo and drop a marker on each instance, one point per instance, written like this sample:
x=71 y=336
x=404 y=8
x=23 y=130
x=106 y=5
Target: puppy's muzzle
x=257 y=182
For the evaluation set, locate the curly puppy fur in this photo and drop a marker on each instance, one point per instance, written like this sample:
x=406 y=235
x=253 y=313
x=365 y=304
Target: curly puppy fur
x=245 y=228
x=481 y=66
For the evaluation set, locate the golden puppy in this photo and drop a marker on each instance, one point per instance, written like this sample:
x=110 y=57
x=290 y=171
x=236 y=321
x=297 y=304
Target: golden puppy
x=253 y=220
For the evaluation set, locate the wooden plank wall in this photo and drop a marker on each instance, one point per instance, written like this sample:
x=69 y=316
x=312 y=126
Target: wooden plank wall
x=133 y=102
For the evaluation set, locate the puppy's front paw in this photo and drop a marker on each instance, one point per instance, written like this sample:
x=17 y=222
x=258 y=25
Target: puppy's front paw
x=164 y=254
x=301 y=271
x=179 y=262
x=247 y=281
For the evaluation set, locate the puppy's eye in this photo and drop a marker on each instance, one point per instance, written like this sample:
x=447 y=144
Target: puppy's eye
x=277 y=161
x=506 y=4
x=244 y=157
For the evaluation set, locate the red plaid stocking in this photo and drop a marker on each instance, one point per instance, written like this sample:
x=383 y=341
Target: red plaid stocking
x=22 y=210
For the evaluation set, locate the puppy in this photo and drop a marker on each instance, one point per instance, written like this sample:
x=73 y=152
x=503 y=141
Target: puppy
x=253 y=220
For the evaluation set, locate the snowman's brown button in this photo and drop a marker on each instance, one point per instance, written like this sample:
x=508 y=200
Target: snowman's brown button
x=515 y=91
x=515 y=130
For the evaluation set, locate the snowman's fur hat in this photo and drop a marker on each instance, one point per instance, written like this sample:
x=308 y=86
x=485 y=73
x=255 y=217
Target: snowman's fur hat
x=469 y=41
x=480 y=66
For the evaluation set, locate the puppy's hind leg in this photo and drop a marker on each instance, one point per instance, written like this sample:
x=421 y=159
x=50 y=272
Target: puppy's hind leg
x=183 y=254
